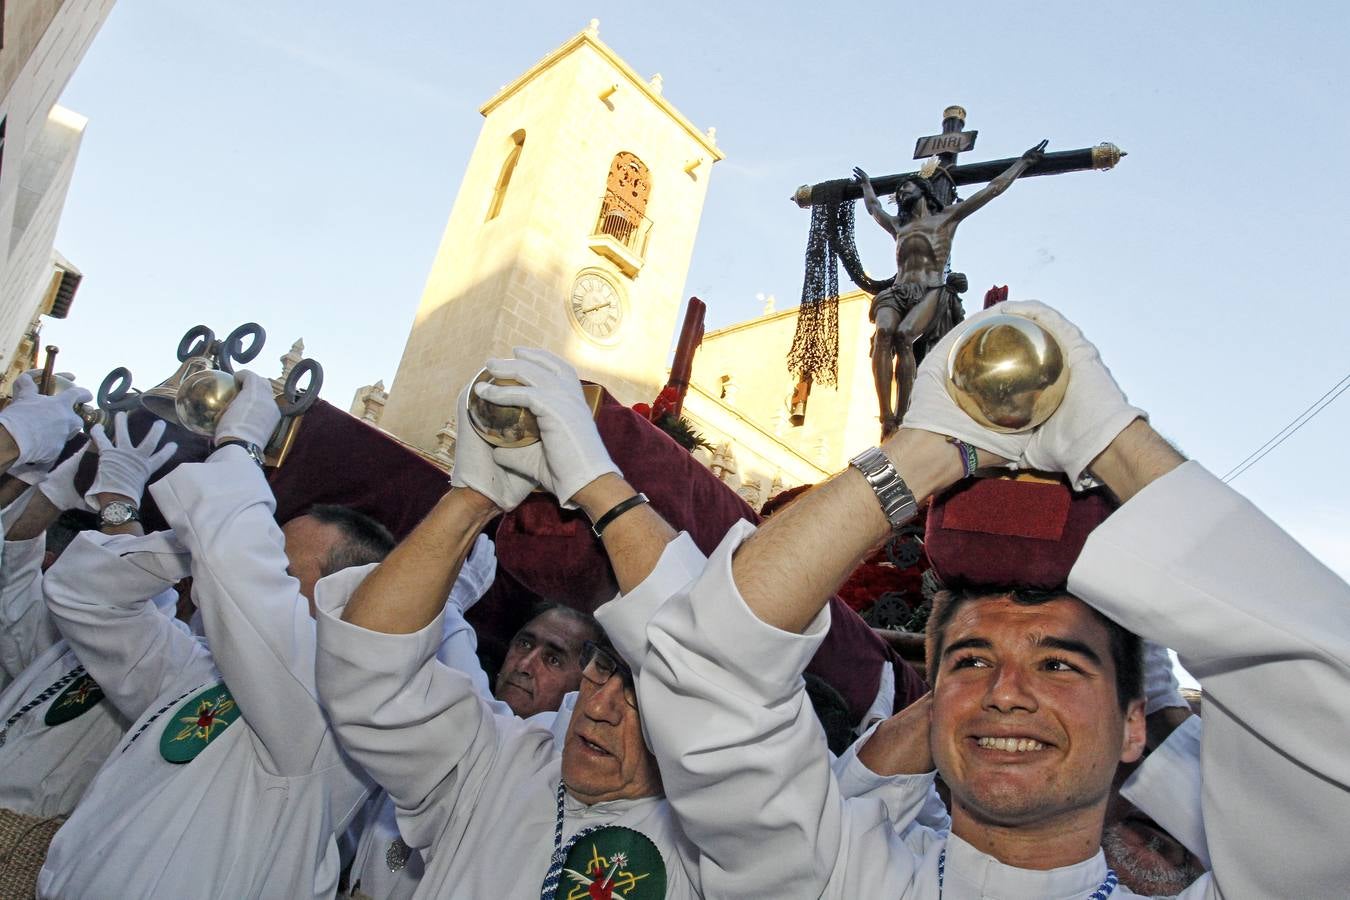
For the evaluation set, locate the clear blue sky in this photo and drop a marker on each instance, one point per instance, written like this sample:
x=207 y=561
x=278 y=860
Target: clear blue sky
x=294 y=163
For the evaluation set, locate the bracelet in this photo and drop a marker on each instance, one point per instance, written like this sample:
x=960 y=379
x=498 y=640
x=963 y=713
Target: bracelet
x=619 y=509
x=970 y=460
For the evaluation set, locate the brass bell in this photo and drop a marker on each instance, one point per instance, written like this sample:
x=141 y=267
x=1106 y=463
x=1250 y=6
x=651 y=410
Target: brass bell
x=162 y=399
x=202 y=398
x=501 y=426
x=1007 y=373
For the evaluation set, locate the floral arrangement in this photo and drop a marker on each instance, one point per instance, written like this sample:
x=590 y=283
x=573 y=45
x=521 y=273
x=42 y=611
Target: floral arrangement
x=661 y=413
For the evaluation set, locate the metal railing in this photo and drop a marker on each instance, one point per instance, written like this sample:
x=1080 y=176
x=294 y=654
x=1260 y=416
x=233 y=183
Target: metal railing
x=625 y=224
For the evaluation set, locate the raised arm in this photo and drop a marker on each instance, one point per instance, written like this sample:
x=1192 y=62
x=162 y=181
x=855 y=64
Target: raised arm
x=1000 y=183
x=873 y=206
x=100 y=592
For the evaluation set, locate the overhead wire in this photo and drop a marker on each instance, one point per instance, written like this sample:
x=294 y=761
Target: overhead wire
x=1289 y=430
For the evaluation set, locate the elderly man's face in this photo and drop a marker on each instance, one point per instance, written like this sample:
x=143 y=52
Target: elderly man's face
x=542 y=664
x=1026 y=725
x=604 y=756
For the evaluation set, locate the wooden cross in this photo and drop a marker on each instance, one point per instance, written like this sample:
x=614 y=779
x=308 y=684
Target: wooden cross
x=946 y=145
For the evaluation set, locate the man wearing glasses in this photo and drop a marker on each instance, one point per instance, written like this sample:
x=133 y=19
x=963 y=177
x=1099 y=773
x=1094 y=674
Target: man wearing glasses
x=495 y=810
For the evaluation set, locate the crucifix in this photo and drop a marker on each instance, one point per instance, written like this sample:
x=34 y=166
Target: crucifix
x=914 y=309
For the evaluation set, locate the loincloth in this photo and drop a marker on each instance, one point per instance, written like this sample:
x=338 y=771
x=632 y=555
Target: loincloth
x=901 y=297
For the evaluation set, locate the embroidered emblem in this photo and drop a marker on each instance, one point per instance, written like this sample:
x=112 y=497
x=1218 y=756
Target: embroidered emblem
x=611 y=863
x=197 y=723
x=82 y=695
x=396 y=857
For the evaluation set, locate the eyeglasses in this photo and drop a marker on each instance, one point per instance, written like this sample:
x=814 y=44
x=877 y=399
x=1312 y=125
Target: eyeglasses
x=598 y=664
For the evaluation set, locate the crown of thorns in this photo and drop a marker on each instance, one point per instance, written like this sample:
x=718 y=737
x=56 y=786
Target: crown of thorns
x=926 y=187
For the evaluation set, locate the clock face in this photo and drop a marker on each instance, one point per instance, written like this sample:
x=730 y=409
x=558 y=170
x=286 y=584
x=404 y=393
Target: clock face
x=596 y=307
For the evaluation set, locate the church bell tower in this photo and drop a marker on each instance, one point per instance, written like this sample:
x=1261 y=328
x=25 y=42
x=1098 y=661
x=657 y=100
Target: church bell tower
x=572 y=231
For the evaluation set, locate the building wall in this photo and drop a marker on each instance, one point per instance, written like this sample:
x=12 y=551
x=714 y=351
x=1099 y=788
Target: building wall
x=749 y=412
x=507 y=282
x=44 y=42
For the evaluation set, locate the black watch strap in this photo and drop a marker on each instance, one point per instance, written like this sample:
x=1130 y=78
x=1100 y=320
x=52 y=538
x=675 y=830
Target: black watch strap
x=253 y=450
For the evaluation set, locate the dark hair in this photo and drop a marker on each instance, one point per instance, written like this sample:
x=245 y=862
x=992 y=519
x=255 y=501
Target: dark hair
x=67 y=525
x=364 y=540
x=832 y=710
x=595 y=634
x=1126 y=649
x=926 y=188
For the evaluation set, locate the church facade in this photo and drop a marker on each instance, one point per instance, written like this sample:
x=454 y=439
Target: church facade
x=573 y=230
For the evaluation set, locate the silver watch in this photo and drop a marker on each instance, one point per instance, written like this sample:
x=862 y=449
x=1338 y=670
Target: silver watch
x=118 y=512
x=254 y=452
x=896 y=499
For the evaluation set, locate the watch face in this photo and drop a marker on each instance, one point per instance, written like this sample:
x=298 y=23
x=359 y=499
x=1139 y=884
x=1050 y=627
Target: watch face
x=118 y=513
x=596 y=308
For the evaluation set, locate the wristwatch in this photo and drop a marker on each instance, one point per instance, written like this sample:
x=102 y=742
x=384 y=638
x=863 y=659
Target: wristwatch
x=896 y=499
x=118 y=512
x=253 y=450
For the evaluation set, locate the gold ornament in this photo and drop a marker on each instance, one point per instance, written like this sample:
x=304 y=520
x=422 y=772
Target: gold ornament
x=501 y=426
x=1007 y=373
x=201 y=399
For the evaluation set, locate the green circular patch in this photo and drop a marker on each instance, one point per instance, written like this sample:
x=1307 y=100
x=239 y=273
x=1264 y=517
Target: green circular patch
x=197 y=723
x=80 y=696
x=610 y=863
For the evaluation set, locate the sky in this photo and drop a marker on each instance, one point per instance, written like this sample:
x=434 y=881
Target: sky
x=295 y=163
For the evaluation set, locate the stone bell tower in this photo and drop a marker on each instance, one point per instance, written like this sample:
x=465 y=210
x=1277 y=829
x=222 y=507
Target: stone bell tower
x=572 y=231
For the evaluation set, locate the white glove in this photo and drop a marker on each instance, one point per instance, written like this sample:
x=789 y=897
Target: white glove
x=933 y=409
x=1094 y=409
x=59 y=485
x=1161 y=689
x=477 y=470
x=570 y=454
x=253 y=414
x=125 y=467
x=476 y=575
x=40 y=424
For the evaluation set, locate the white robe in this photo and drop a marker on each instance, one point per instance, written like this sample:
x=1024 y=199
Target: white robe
x=26 y=630
x=1187 y=563
x=256 y=812
x=476 y=792
x=45 y=769
x=384 y=867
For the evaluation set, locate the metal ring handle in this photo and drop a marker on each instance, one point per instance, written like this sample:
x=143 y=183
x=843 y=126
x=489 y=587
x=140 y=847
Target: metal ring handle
x=112 y=393
x=294 y=400
x=232 y=351
x=195 y=342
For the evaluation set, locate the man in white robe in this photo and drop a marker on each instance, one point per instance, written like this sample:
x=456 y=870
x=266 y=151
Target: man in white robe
x=1024 y=721
x=229 y=782
x=56 y=729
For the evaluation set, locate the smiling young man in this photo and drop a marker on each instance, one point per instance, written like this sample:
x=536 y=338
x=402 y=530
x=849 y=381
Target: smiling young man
x=1026 y=722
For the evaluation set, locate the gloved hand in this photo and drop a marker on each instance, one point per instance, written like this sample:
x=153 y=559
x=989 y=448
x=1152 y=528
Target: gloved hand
x=1094 y=409
x=933 y=409
x=125 y=467
x=476 y=469
x=1161 y=689
x=570 y=454
x=253 y=414
x=40 y=424
x=59 y=485
x=476 y=575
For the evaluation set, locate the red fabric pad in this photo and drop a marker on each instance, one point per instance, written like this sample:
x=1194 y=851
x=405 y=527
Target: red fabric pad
x=552 y=552
x=338 y=458
x=1004 y=532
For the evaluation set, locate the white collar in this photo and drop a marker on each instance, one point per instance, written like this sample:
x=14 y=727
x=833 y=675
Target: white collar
x=972 y=873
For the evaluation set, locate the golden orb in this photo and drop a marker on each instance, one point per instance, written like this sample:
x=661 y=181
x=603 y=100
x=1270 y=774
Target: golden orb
x=201 y=399
x=501 y=426
x=1007 y=373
